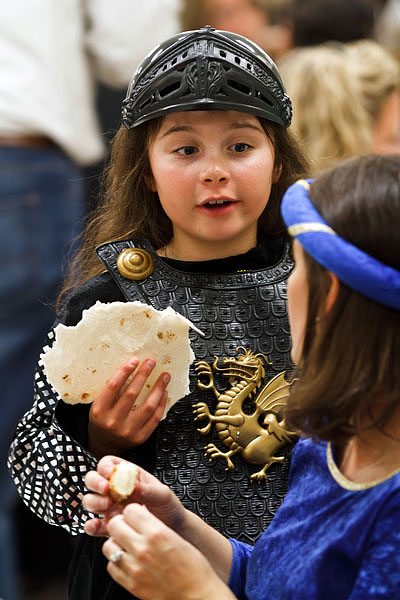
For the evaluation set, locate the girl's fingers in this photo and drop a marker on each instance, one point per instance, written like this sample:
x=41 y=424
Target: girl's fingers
x=129 y=396
x=115 y=423
x=110 y=394
x=148 y=426
x=145 y=411
x=141 y=421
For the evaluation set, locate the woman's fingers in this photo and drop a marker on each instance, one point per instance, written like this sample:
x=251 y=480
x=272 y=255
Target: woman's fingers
x=137 y=517
x=111 y=549
x=96 y=482
x=96 y=504
x=106 y=465
x=150 y=560
x=96 y=528
x=136 y=526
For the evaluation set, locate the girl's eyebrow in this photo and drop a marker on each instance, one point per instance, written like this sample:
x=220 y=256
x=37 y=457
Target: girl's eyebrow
x=234 y=125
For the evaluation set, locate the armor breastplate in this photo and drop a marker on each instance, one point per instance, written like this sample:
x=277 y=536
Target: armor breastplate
x=247 y=310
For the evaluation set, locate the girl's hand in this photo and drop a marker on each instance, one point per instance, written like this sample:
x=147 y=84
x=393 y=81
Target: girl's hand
x=114 y=426
x=156 y=562
x=159 y=499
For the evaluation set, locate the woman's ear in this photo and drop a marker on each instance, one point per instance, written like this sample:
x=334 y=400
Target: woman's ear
x=333 y=292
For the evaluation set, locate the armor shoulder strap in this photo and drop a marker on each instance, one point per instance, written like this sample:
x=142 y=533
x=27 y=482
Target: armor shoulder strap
x=112 y=254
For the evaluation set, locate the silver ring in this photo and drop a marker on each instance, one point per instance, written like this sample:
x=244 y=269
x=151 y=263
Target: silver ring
x=116 y=556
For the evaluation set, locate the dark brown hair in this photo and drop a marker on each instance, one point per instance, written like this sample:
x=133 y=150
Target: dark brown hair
x=350 y=359
x=331 y=20
x=129 y=208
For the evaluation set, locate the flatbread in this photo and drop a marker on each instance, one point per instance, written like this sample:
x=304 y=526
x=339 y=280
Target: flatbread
x=85 y=356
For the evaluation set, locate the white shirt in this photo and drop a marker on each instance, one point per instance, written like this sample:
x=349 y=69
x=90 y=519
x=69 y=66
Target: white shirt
x=51 y=52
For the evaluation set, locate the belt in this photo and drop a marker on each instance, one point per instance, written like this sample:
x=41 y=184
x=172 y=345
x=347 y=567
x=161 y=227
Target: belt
x=27 y=141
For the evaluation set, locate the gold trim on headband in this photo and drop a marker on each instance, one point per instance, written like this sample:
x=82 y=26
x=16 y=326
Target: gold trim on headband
x=306 y=227
x=304 y=183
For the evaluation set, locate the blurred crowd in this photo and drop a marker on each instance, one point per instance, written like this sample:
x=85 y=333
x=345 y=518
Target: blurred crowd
x=64 y=69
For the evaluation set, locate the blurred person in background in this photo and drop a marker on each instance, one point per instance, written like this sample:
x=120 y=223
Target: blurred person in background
x=346 y=100
x=387 y=30
x=265 y=22
x=319 y=21
x=51 y=55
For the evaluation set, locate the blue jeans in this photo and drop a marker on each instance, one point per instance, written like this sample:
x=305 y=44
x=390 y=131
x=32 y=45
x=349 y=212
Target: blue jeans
x=42 y=207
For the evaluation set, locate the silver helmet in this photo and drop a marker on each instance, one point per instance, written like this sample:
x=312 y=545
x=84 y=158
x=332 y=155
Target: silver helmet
x=206 y=69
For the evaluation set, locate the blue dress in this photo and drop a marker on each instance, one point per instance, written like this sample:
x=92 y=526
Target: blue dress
x=331 y=539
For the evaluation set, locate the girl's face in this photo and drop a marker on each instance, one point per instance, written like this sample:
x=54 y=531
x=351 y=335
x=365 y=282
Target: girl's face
x=297 y=302
x=386 y=133
x=213 y=172
x=241 y=16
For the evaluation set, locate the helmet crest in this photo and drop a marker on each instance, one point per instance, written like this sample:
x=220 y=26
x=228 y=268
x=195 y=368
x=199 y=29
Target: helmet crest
x=206 y=69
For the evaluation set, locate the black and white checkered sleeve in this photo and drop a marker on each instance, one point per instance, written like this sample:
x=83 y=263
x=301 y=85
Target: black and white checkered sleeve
x=47 y=465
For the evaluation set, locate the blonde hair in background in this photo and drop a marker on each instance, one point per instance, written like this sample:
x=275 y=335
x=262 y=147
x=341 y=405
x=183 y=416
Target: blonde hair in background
x=378 y=74
x=337 y=91
x=387 y=29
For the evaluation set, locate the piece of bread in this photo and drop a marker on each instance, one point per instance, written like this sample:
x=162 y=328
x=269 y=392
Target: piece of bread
x=85 y=356
x=123 y=481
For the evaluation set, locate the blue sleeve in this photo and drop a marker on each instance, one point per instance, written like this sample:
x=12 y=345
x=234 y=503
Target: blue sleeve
x=237 y=578
x=379 y=575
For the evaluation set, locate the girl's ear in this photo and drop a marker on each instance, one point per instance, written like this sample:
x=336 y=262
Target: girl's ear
x=150 y=182
x=276 y=173
x=333 y=292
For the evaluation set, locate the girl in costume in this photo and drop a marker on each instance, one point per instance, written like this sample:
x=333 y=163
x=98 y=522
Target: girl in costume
x=336 y=536
x=197 y=173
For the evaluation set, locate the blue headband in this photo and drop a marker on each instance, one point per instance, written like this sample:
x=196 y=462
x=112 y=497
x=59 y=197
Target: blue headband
x=354 y=267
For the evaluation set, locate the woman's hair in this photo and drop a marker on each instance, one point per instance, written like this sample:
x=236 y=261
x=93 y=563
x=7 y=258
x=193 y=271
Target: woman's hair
x=337 y=93
x=129 y=208
x=378 y=75
x=350 y=357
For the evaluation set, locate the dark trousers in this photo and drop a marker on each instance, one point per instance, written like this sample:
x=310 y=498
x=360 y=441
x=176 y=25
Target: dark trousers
x=41 y=211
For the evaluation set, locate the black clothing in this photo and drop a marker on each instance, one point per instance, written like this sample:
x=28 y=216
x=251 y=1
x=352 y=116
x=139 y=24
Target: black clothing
x=235 y=303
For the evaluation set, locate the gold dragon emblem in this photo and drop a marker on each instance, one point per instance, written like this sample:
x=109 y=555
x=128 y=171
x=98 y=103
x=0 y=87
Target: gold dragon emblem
x=257 y=433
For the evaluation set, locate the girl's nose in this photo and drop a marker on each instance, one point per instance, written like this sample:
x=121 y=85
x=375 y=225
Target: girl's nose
x=210 y=179
x=214 y=171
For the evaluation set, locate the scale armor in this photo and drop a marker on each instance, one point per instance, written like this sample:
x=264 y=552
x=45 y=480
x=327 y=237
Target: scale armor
x=240 y=309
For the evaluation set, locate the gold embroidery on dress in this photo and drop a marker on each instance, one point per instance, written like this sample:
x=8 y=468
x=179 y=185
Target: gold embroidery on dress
x=258 y=435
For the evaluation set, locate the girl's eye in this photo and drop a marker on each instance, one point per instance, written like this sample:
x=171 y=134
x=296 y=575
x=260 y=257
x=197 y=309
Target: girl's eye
x=240 y=147
x=186 y=150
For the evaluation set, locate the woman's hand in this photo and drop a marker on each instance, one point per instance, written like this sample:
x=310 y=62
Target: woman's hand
x=156 y=562
x=114 y=425
x=159 y=499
